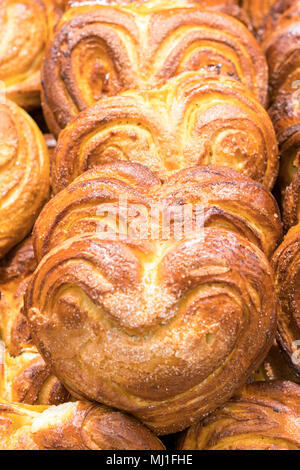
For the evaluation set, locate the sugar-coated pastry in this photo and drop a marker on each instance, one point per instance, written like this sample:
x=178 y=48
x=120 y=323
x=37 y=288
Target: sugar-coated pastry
x=194 y=119
x=72 y=426
x=164 y=327
x=263 y=416
x=99 y=51
x=24 y=174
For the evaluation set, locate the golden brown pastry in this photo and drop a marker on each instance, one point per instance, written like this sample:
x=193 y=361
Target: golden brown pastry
x=136 y=47
x=166 y=328
x=193 y=119
x=26 y=26
x=282 y=49
x=24 y=174
x=219 y=191
x=24 y=377
x=263 y=416
x=258 y=11
x=287 y=270
x=72 y=426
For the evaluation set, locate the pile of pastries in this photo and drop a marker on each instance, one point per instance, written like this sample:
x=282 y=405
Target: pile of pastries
x=113 y=343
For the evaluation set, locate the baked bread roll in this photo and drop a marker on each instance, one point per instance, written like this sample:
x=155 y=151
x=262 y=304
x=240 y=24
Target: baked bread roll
x=24 y=174
x=263 y=416
x=191 y=120
x=26 y=26
x=24 y=377
x=286 y=267
x=160 y=327
x=136 y=47
x=72 y=426
x=219 y=191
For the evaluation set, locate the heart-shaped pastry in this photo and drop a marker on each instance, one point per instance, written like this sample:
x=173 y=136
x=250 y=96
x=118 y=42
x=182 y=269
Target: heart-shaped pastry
x=166 y=328
x=99 y=51
x=194 y=119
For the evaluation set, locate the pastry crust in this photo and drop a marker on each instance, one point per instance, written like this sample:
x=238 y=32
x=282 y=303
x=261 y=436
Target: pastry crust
x=263 y=416
x=140 y=47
